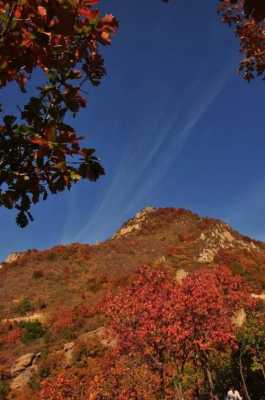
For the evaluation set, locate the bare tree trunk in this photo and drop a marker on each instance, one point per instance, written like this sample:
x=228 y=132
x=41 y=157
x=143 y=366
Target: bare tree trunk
x=179 y=392
x=197 y=388
x=162 y=383
x=243 y=378
x=263 y=371
x=196 y=365
x=211 y=384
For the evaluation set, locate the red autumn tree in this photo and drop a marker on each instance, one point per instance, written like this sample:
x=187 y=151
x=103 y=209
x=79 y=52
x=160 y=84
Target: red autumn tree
x=164 y=326
x=39 y=152
x=123 y=378
x=13 y=336
x=209 y=299
x=62 y=387
x=143 y=317
x=248 y=18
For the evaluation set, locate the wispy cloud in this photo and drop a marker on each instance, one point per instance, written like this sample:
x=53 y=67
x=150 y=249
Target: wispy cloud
x=179 y=132
x=147 y=158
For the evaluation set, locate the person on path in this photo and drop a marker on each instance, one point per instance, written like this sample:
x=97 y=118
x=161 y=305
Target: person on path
x=233 y=394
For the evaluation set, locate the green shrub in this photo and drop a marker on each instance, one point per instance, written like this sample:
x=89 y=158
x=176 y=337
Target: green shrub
x=45 y=371
x=4 y=390
x=48 y=338
x=32 y=330
x=24 y=306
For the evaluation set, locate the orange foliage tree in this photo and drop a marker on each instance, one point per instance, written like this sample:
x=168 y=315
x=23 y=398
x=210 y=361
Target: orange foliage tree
x=209 y=300
x=162 y=327
x=248 y=18
x=39 y=152
x=62 y=387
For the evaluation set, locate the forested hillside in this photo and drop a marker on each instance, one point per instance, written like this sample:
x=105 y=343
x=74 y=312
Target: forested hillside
x=171 y=307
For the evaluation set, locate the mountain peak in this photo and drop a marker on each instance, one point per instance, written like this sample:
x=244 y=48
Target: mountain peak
x=75 y=278
x=135 y=223
x=153 y=217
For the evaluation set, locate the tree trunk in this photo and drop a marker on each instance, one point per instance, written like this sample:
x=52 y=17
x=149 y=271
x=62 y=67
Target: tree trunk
x=179 y=392
x=243 y=378
x=197 y=385
x=263 y=371
x=211 y=384
x=162 y=384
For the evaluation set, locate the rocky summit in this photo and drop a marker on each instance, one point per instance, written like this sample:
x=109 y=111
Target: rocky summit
x=48 y=299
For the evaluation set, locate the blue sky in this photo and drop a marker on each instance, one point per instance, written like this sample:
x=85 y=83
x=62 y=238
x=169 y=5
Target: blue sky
x=173 y=124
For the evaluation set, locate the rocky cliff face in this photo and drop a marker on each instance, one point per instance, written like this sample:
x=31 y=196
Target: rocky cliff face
x=46 y=297
x=135 y=224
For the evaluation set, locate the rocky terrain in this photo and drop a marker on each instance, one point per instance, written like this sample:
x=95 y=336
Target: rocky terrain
x=48 y=298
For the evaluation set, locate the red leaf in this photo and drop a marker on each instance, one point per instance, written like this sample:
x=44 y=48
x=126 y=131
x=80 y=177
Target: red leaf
x=88 y=13
x=18 y=13
x=91 y=2
x=42 y=11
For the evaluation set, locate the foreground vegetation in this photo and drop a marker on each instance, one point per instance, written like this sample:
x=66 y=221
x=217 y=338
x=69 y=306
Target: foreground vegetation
x=100 y=327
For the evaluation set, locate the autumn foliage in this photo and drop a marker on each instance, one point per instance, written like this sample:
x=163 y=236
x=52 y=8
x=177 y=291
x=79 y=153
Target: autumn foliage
x=60 y=41
x=64 y=386
x=69 y=318
x=39 y=152
x=13 y=336
x=248 y=18
x=162 y=328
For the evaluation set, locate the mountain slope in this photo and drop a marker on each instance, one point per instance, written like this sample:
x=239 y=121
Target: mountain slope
x=61 y=286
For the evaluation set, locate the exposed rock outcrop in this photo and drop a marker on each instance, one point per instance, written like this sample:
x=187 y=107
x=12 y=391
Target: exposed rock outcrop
x=180 y=275
x=68 y=353
x=22 y=363
x=12 y=257
x=240 y=318
x=135 y=223
x=22 y=371
x=221 y=237
x=101 y=335
x=22 y=380
x=260 y=296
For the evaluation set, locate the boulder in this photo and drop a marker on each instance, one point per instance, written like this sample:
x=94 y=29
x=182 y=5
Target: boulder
x=23 y=370
x=22 y=363
x=260 y=296
x=100 y=334
x=240 y=317
x=180 y=275
x=12 y=257
x=68 y=353
x=22 y=380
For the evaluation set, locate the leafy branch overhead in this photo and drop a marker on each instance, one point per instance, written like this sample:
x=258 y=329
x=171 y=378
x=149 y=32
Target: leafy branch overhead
x=248 y=18
x=39 y=152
